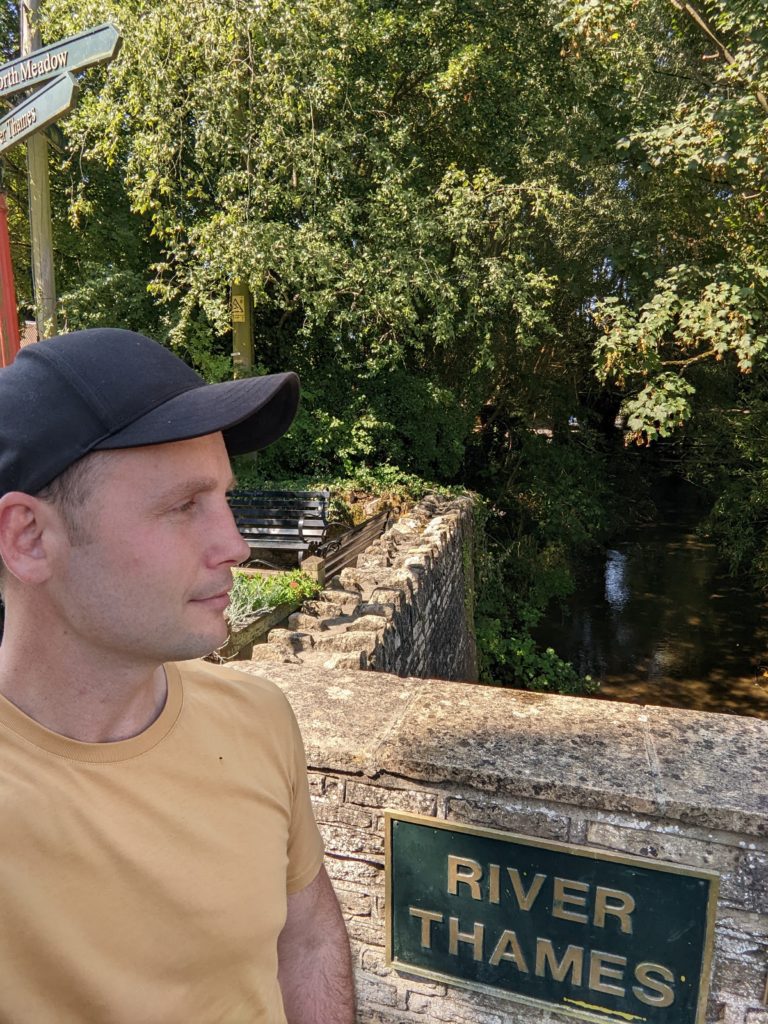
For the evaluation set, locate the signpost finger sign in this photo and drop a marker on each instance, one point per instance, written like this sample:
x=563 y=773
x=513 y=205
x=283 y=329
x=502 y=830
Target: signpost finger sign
x=40 y=109
x=72 y=54
x=52 y=67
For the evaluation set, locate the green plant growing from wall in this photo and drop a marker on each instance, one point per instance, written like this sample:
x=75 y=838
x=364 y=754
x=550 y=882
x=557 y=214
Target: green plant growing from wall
x=255 y=594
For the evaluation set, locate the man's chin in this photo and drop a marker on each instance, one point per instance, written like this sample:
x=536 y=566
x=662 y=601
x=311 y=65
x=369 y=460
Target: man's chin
x=200 y=645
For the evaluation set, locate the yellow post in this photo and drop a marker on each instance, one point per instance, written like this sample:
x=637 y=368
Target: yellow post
x=242 y=328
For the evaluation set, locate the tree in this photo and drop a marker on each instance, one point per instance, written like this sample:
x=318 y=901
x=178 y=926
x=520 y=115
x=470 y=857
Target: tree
x=698 y=143
x=419 y=198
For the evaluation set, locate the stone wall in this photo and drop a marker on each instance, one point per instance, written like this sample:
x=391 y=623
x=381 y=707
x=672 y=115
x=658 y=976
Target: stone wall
x=681 y=787
x=407 y=608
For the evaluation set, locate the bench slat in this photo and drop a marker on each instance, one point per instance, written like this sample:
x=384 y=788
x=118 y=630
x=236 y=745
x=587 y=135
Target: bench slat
x=287 y=520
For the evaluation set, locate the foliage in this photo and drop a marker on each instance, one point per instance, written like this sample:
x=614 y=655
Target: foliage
x=419 y=199
x=253 y=594
x=354 y=498
x=517 y=657
x=561 y=504
x=727 y=458
x=698 y=144
x=458 y=222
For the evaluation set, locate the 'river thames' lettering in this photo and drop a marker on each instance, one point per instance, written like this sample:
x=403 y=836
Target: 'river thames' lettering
x=651 y=984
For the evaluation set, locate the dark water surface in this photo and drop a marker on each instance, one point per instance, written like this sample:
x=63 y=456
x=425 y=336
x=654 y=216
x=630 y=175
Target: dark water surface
x=658 y=620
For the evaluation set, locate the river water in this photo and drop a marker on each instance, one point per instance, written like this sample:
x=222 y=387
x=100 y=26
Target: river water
x=658 y=620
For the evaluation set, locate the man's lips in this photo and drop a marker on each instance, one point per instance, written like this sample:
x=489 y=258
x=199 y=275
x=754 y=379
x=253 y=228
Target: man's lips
x=219 y=600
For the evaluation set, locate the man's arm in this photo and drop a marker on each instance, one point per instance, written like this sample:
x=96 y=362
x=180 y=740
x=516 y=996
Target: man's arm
x=314 y=963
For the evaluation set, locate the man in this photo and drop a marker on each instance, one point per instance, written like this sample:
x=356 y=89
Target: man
x=160 y=862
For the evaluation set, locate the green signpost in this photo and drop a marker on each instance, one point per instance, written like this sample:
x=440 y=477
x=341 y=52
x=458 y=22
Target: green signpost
x=72 y=54
x=602 y=937
x=39 y=110
x=51 y=67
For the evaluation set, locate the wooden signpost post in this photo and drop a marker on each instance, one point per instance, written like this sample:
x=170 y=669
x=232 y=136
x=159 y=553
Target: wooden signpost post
x=51 y=67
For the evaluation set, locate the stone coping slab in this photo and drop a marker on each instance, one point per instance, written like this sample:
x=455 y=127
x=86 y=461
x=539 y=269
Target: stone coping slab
x=700 y=768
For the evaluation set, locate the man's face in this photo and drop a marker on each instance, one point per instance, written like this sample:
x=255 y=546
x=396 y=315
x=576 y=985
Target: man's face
x=150 y=580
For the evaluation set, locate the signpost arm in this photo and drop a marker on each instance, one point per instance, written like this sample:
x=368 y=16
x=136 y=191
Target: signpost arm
x=39 y=197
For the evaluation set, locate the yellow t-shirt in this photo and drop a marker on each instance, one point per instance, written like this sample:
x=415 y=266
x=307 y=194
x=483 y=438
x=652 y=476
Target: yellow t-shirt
x=145 y=881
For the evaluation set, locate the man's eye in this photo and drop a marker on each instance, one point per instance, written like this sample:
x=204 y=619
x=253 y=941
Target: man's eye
x=185 y=506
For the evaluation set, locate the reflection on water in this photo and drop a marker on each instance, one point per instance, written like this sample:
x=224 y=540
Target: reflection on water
x=658 y=621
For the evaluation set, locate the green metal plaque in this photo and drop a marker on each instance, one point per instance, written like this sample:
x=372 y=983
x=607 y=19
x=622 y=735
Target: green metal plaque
x=72 y=54
x=602 y=937
x=39 y=110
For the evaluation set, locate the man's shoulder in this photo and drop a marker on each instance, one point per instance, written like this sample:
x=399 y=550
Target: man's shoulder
x=220 y=683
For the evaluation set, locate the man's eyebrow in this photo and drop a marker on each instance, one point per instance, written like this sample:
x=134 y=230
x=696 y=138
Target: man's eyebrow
x=195 y=485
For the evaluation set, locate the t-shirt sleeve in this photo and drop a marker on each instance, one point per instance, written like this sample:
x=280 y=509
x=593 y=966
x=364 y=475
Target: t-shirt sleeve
x=305 y=844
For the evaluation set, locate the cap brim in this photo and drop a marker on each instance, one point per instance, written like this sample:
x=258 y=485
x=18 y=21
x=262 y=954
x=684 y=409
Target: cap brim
x=252 y=413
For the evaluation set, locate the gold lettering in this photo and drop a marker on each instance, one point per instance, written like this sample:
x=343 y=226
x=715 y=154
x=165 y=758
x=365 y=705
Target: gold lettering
x=660 y=994
x=525 y=899
x=508 y=948
x=599 y=969
x=474 y=938
x=427 y=917
x=561 y=896
x=471 y=876
x=493 y=883
x=622 y=908
x=573 y=961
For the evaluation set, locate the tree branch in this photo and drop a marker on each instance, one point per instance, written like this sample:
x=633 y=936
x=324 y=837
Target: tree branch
x=691 y=360
x=725 y=53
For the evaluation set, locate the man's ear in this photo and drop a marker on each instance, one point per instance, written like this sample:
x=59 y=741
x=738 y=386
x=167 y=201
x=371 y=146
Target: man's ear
x=28 y=530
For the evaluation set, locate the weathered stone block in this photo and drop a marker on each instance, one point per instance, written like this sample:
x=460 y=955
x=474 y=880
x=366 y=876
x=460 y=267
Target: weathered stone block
x=354 y=661
x=362 y=929
x=347 y=600
x=373 y=560
x=385 y=611
x=740 y=980
x=293 y=640
x=374 y=990
x=354 y=904
x=325 y=609
x=357 y=579
x=459 y=1011
x=345 y=642
x=351 y=869
x=345 y=841
x=648 y=842
x=412 y=800
x=337 y=583
x=509 y=817
x=752 y=876
x=305 y=623
x=271 y=653
x=367 y=622
x=378 y=1015
x=389 y=595
x=344 y=814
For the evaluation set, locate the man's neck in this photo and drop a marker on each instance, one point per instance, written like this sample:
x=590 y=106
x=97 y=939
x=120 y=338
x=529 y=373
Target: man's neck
x=74 y=693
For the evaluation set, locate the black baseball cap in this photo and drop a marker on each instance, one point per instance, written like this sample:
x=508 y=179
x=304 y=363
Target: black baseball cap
x=105 y=388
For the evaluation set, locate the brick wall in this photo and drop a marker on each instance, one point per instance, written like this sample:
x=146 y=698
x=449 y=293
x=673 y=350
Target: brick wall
x=680 y=787
x=407 y=608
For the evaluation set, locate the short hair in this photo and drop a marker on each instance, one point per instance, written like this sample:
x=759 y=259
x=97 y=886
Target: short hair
x=69 y=492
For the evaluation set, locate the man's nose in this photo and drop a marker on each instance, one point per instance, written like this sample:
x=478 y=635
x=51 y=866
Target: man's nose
x=231 y=546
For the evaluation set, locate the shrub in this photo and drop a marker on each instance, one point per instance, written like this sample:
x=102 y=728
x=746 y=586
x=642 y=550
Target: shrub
x=253 y=594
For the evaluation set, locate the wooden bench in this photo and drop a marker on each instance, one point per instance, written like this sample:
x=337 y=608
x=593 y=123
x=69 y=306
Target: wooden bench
x=280 y=520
